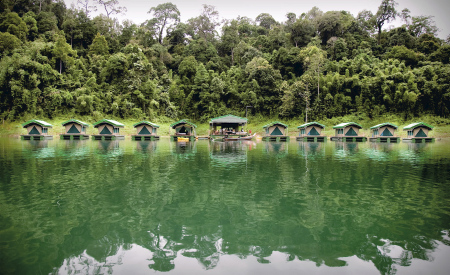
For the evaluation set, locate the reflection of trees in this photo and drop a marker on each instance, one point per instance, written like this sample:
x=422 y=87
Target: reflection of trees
x=169 y=205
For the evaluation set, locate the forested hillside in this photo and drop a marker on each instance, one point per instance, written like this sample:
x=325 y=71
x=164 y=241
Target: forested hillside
x=59 y=60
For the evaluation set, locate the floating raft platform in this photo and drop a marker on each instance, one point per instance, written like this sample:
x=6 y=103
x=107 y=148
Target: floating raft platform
x=419 y=139
x=73 y=136
x=312 y=138
x=144 y=137
x=107 y=137
x=385 y=139
x=175 y=138
x=35 y=137
x=276 y=138
x=349 y=139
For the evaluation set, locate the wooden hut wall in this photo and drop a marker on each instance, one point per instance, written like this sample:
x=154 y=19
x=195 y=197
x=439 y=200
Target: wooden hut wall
x=273 y=127
x=38 y=127
x=110 y=128
x=381 y=130
x=309 y=128
x=69 y=125
x=187 y=126
x=417 y=130
x=139 y=128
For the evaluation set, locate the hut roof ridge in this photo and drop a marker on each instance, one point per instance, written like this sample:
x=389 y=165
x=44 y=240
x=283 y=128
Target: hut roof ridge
x=384 y=124
x=417 y=124
x=146 y=122
x=110 y=121
x=243 y=120
x=310 y=123
x=345 y=124
x=183 y=121
x=273 y=123
x=40 y=122
x=75 y=120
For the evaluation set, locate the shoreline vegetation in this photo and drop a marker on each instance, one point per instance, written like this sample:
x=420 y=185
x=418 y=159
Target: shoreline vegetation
x=441 y=125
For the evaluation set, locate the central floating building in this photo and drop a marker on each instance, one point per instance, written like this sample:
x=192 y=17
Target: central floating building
x=37 y=130
x=108 y=129
x=145 y=131
x=228 y=125
x=311 y=132
x=276 y=131
x=75 y=129
x=348 y=132
x=183 y=129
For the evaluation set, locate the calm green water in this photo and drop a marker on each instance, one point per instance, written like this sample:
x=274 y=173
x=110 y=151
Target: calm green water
x=92 y=207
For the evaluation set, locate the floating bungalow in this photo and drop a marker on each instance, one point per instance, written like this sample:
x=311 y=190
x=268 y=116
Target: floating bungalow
x=228 y=125
x=311 y=131
x=183 y=129
x=384 y=132
x=348 y=132
x=145 y=131
x=418 y=132
x=75 y=130
x=108 y=129
x=276 y=131
x=37 y=130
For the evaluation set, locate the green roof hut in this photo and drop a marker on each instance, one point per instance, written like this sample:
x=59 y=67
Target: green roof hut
x=145 y=131
x=276 y=131
x=418 y=132
x=228 y=125
x=311 y=131
x=384 y=132
x=36 y=130
x=183 y=129
x=108 y=129
x=74 y=130
x=348 y=132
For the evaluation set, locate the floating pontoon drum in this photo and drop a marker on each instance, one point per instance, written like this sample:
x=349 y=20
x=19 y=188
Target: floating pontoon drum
x=145 y=131
x=384 y=132
x=37 y=130
x=184 y=129
x=74 y=129
x=311 y=131
x=108 y=129
x=348 y=131
x=275 y=131
x=418 y=132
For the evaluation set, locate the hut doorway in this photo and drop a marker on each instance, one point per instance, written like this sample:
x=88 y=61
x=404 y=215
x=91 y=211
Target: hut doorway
x=184 y=130
x=276 y=132
x=386 y=133
x=105 y=131
x=313 y=132
x=34 y=131
x=351 y=132
x=73 y=130
x=421 y=133
x=144 y=131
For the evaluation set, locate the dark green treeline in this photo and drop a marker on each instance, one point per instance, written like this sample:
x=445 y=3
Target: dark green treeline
x=59 y=60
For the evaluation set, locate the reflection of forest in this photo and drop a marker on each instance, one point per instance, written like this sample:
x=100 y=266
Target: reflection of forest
x=310 y=209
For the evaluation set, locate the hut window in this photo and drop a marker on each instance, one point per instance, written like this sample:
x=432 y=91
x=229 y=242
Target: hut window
x=154 y=131
x=302 y=131
x=44 y=130
x=375 y=132
x=340 y=131
x=83 y=129
x=410 y=133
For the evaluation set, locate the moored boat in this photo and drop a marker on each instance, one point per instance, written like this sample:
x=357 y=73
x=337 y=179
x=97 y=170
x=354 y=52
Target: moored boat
x=238 y=138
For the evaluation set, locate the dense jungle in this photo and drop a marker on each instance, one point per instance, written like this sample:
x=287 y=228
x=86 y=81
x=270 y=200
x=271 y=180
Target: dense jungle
x=58 y=60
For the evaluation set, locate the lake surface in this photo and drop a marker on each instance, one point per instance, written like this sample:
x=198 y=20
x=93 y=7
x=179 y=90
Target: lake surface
x=127 y=207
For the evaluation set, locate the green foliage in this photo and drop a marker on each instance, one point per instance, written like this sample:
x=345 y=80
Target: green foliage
x=8 y=42
x=99 y=46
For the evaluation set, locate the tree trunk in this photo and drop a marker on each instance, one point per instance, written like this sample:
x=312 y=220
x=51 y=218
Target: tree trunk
x=60 y=66
x=379 y=34
x=232 y=57
x=318 y=82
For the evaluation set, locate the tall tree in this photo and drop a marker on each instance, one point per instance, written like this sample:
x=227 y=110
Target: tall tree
x=265 y=20
x=112 y=7
x=385 y=14
x=205 y=25
x=313 y=59
x=86 y=6
x=164 y=15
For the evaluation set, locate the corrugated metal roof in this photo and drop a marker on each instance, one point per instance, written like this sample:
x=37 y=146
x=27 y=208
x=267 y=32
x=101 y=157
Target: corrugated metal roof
x=384 y=124
x=183 y=121
x=146 y=122
x=310 y=123
x=40 y=122
x=76 y=121
x=417 y=124
x=228 y=119
x=274 y=123
x=109 y=121
x=345 y=124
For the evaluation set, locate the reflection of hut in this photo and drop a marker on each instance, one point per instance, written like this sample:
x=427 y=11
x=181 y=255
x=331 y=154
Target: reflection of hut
x=145 y=131
x=75 y=129
x=276 y=131
x=348 y=131
x=228 y=125
x=311 y=131
x=184 y=129
x=418 y=132
x=37 y=130
x=384 y=132
x=108 y=129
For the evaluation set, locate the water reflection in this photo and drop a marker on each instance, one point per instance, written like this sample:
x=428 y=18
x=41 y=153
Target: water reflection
x=222 y=208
